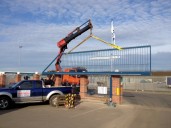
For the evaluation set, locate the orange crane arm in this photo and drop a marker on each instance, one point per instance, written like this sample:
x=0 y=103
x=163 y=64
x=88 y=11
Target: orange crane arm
x=62 y=44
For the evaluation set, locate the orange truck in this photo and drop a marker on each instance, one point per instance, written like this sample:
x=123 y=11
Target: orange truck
x=68 y=80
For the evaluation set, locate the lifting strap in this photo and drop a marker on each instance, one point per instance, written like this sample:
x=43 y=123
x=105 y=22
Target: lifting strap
x=80 y=43
x=111 y=45
x=97 y=38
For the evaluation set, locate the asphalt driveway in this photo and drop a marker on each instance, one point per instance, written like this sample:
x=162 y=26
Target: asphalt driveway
x=140 y=110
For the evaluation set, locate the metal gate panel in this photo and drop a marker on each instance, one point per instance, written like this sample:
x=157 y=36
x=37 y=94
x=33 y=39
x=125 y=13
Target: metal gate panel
x=128 y=61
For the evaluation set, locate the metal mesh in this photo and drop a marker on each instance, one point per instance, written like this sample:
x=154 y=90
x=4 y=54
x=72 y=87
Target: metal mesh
x=10 y=78
x=132 y=59
x=96 y=81
x=146 y=83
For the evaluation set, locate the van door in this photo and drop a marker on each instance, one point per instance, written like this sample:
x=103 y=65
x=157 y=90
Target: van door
x=38 y=90
x=25 y=92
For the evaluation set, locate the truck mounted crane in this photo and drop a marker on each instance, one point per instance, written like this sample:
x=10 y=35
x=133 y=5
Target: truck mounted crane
x=62 y=44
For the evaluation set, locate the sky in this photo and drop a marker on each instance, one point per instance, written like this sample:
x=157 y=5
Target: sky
x=37 y=25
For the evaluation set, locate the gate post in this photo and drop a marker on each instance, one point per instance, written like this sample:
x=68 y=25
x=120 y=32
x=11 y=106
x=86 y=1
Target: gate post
x=17 y=77
x=36 y=76
x=58 y=80
x=83 y=86
x=2 y=80
x=116 y=89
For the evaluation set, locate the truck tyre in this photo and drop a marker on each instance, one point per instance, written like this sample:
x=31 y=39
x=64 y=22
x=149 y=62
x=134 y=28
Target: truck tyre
x=53 y=100
x=5 y=102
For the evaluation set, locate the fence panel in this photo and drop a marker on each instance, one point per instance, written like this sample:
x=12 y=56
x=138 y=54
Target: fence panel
x=146 y=83
x=130 y=59
x=98 y=85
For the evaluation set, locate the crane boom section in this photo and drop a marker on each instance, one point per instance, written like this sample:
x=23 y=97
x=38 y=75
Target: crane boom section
x=62 y=44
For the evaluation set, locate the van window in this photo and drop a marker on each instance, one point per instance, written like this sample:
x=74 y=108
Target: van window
x=26 y=85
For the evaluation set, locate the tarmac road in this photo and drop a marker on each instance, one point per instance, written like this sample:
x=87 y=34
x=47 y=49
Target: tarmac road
x=139 y=110
x=148 y=99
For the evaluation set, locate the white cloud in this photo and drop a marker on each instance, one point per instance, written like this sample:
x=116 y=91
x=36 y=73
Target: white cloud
x=136 y=23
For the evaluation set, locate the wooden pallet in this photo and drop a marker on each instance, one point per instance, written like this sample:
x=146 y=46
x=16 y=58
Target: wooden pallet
x=60 y=100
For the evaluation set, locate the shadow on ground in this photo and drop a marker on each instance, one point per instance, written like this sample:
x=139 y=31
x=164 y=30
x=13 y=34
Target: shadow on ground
x=16 y=107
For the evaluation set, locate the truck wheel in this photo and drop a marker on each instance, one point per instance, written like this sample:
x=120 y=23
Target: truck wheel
x=53 y=100
x=5 y=102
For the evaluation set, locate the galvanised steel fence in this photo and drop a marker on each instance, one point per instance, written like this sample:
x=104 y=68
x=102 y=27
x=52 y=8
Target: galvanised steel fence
x=10 y=77
x=130 y=59
x=146 y=83
x=96 y=81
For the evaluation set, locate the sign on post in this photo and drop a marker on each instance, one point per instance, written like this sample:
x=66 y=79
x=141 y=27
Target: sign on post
x=102 y=90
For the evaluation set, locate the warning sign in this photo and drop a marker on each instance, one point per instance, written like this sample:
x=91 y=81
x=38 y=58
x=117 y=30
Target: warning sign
x=23 y=93
x=102 y=90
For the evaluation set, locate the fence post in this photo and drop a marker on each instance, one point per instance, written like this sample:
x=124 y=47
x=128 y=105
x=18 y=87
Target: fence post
x=83 y=86
x=2 y=80
x=36 y=76
x=58 y=80
x=117 y=89
x=17 y=77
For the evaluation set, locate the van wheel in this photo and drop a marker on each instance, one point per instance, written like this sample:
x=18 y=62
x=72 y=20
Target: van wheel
x=53 y=100
x=5 y=102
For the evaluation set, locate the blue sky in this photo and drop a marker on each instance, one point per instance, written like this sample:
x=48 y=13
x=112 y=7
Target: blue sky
x=38 y=24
